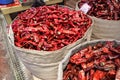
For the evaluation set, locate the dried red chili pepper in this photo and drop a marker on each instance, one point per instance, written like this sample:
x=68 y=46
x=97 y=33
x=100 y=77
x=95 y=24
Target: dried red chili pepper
x=81 y=75
x=106 y=9
x=102 y=63
x=98 y=75
x=49 y=28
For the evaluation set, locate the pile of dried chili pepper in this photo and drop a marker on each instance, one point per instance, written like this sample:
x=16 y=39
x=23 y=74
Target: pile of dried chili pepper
x=98 y=62
x=49 y=28
x=105 y=9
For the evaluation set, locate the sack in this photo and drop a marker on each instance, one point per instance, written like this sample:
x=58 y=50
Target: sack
x=70 y=3
x=76 y=6
x=104 y=29
x=109 y=29
x=44 y=64
x=65 y=61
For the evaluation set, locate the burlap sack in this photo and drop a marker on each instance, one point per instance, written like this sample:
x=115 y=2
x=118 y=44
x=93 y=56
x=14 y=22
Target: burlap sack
x=104 y=29
x=77 y=8
x=44 y=64
x=109 y=29
x=65 y=61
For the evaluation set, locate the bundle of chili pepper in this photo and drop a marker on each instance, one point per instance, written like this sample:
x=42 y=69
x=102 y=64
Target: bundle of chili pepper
x=49 y=28
x=99 y=62
x=105 y=9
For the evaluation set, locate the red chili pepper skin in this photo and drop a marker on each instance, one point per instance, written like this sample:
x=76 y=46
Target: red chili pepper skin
x=81 y=75
x=67 y=74
x=84 y=65
x=98 y=75
x=92 y=74
x=117 y=62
